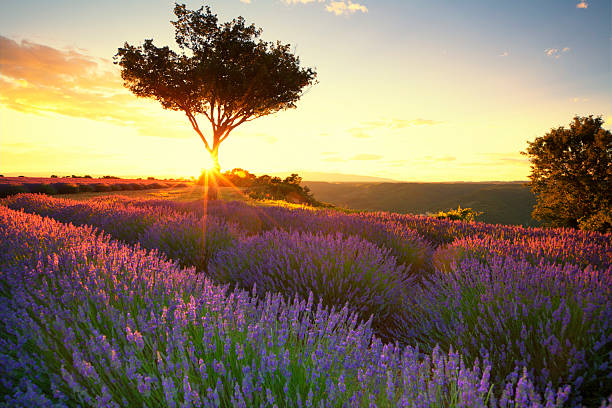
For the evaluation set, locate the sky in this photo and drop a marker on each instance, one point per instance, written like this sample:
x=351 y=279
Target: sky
x=407 y=90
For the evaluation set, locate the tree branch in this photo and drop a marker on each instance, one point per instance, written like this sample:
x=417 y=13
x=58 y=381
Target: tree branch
x=195 y=126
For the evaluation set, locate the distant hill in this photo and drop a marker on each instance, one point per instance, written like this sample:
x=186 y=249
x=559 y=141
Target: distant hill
x=334 y=177
x=502 y=202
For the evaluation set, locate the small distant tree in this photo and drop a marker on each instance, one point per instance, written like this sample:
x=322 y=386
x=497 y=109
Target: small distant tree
x=571 y=175
x=223 y=72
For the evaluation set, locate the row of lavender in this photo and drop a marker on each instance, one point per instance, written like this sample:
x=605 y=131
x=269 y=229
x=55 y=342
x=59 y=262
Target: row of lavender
x=87 y=321
x=18 y=185
x=553 y=320
x=527 y=297
x=535 y=244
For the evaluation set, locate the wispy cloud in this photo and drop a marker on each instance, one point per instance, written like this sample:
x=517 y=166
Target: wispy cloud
x=367 y=156
x=555 y=52
x=337 y=7
x=246 y=1
x=582 y=5
x=345 y=7
x=43 y=80
x=504 y=54
x=302 y=1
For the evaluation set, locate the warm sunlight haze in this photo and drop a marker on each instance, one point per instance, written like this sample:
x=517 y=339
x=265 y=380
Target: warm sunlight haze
x=306 y=203
x=434 y=91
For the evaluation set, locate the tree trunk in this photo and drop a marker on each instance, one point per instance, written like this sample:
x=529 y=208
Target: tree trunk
x=213 y=176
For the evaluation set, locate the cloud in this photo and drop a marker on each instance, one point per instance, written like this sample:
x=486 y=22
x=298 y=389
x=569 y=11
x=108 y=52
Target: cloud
x=302 y=1
x=345 y=7
x=551 y=51
x=42 y=80
x=555 y=52
x=504 y=54
x=582 y=5
x=578 y=99
x=366 y=156
x=246 y=1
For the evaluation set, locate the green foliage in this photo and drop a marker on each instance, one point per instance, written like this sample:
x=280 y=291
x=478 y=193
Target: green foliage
x=289 y=189
x=238 y=177
x=462 y=214
x=601 y=221
x=571 y=175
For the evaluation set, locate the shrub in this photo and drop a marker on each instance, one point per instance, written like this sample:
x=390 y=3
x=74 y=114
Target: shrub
x=461 y=214
x=66 y=188
x=338 y=269
x=86 y=187
x=11 y=189
x=101 y=187
x=116 y=186
x=40 y=188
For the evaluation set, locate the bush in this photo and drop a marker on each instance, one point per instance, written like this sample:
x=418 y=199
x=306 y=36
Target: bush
x=460 y=214
x=100 y=187
x=116 y=187
x=338 y=269
x=66 y=188
x=10 y=189
x=40 y=188
x=86 y=188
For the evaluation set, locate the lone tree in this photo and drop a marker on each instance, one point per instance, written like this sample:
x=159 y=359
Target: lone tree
x=571 y=175
x=223 y=72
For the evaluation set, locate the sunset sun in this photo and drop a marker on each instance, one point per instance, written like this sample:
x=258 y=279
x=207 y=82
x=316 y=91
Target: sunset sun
x=207 y=162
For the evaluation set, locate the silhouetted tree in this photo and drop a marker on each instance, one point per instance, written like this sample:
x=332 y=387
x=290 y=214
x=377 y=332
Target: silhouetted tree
x=224 y=72
x=571 y=175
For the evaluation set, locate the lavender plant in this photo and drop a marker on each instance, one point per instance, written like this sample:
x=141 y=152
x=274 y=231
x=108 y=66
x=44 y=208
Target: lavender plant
x=553 y=321
x=92 y=322
x=338 y=269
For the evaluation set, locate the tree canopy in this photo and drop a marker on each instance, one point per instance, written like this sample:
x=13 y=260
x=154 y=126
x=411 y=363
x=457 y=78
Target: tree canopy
x=222 y=71
x=571 y=175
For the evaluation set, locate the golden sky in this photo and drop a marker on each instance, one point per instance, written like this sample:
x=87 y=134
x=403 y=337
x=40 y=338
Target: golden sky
x=440 y=92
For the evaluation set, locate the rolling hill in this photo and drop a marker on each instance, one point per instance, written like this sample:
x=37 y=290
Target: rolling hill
x=508 y=203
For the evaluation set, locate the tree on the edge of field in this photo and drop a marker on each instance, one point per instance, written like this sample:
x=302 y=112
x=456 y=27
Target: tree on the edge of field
x=223 y=72
x=571 y=175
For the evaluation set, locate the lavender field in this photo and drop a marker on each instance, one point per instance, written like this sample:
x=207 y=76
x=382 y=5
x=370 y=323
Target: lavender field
x=118 y=301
